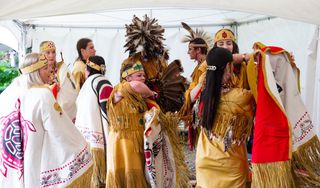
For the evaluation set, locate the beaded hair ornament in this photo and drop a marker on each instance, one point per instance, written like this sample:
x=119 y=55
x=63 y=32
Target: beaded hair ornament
x=101 y=68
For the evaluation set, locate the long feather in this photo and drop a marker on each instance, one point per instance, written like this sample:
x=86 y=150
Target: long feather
x=188 y=28
x=198 y=33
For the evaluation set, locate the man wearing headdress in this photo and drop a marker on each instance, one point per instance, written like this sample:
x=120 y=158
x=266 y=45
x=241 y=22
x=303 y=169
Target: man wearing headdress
x=145 y=43
x=197 y=49
x=63 y=87
x=165 y=167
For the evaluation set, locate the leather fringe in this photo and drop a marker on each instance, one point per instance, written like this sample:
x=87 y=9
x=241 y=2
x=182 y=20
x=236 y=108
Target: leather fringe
x=84 y=181
x=99 y=167
x=129 y=179
x=130 y=124
x=240 y=125
x=306 y=164
x=169 y=123
x=272 y=175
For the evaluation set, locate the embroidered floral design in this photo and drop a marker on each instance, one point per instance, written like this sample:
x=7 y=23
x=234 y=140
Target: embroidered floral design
x=92 y=137
x=50 y=179
x=66 y=172
x=78 y=164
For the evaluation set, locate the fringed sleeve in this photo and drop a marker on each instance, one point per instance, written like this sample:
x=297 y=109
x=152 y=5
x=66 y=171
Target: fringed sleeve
x=306 y=163
x=78 y=73
x=186 y=110
x=99 y=166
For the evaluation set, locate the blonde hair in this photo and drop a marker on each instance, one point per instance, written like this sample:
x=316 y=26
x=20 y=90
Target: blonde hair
x=47 y=45
x=33 y=78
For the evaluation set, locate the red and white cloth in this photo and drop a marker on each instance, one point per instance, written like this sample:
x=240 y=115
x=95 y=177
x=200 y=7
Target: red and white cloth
x=282 y=122
x=160 y=164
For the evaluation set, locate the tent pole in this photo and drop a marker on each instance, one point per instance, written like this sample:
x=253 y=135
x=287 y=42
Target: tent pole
x=163 y=25
x=234 y=27
x=22 y=45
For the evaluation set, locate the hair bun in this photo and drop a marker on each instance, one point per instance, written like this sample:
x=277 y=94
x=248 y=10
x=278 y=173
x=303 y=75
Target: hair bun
x=219 y=57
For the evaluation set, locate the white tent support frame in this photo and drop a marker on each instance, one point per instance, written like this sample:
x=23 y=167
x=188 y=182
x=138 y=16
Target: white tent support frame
x=23 y=30
x=25 y=27
x=165 y=26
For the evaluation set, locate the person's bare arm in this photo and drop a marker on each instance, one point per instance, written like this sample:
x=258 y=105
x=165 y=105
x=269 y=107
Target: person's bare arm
x=239 y=58
x=141 y=88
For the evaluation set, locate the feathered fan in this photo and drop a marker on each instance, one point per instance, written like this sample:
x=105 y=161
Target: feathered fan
x=171 y=87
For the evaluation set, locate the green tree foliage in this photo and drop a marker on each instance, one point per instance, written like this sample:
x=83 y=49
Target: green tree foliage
x=7 y=74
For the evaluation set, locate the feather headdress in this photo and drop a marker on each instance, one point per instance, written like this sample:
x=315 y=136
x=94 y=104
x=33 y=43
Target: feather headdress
x=199 y=33
x=145 y=36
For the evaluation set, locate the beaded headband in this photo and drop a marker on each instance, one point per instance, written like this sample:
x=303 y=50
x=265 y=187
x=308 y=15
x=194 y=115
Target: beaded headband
x=224 y=34
x=135 y=68
x=42 y=61
x=198 y=45
x=48 y=45
x=101 y=68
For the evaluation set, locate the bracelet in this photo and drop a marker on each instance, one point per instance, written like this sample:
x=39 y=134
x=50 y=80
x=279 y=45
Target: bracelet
x=155 y=95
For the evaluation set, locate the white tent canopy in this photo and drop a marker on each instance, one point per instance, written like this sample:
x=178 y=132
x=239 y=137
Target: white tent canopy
x=168 y=17
x=306 y=11
x=290 y=24
x=8 y=38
